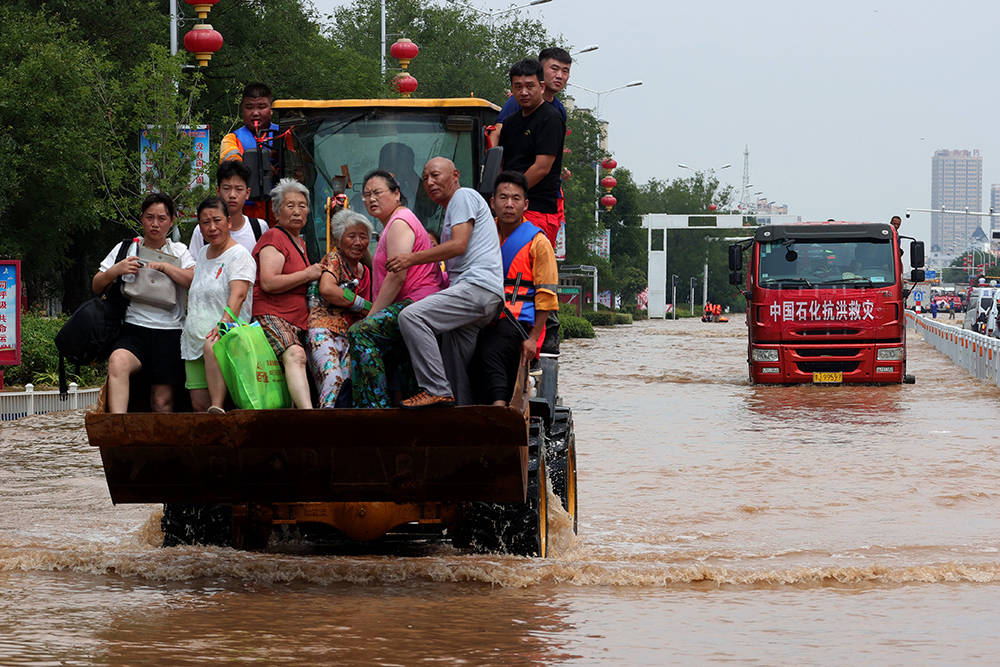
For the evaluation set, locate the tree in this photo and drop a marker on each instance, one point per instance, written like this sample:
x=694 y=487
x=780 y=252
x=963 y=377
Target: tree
x=581 y=156
x=688 y=251
x=53 y=139
x=447 y=35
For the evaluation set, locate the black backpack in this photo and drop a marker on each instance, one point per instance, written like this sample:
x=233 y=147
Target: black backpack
x=93 y=328
x=255 y=226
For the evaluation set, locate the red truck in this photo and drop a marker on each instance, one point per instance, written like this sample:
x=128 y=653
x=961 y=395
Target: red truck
x=825 y=302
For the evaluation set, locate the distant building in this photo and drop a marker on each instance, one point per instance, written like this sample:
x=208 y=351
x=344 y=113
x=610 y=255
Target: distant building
x=957 y=184
x=769 y=207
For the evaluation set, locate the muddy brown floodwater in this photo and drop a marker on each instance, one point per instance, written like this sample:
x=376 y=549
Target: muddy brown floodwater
x=719 y=522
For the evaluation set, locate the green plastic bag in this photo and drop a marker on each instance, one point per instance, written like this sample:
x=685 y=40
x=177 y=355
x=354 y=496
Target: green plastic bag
x=253 y=374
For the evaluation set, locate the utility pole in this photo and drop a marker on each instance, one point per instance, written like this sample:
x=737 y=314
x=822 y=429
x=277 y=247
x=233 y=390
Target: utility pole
x=704 y=286
x=673 y=292
x=692 y=295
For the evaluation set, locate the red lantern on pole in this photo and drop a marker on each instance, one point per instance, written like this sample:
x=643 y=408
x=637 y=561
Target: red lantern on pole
x=404 y=50
x=203 y=41
x=609 y=182
x=608 y=202
x=405 y=83
x=609 y=163
x=202 y=7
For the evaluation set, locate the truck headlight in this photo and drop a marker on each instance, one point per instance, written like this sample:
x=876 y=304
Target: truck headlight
x=762 y=354
x=890 y=354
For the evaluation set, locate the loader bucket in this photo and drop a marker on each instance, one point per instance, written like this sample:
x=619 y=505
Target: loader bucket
x=273 y=456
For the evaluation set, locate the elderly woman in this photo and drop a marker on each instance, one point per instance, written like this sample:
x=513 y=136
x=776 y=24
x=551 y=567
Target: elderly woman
x=150 y=340
x=279 y=293
x=223 y=274
x=376 y=340
x=345 y=291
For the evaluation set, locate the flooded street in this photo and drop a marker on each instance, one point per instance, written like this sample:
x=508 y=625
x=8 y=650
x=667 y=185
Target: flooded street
x=718 y=522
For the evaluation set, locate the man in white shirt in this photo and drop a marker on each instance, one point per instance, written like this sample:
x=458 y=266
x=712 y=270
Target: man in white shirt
x=232 y=178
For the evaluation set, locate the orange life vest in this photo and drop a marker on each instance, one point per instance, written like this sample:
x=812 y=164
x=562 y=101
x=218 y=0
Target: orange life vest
x=518 y=284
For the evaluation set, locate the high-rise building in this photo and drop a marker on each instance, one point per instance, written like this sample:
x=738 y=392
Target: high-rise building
x=956 y=184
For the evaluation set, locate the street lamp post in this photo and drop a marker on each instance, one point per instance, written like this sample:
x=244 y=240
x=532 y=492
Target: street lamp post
x=499 y=12
x=597 y=117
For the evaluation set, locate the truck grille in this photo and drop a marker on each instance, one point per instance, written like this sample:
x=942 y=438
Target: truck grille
x=828 y=332
x=827 y=352
x=827 y=366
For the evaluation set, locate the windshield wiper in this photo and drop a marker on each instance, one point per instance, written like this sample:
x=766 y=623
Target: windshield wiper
x=792 y=281
x=855 y=279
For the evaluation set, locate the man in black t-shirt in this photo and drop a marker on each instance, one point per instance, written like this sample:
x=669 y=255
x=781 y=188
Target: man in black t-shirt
x=532 y=143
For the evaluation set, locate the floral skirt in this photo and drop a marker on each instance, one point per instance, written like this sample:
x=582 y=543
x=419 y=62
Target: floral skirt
x=329 y=363
x=379 y=361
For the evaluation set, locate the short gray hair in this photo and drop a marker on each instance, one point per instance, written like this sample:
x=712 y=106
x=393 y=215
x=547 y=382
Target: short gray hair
x=344 y=219
x=285 y=186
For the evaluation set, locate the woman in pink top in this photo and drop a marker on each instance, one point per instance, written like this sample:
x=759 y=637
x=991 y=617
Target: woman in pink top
x=377 y=349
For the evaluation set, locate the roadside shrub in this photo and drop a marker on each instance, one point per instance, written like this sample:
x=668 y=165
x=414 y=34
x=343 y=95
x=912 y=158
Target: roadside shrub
x=601 y=318
x=571 y=326
x=623 y=318
x=567 y=309
x=637 y=313
x=40 y=359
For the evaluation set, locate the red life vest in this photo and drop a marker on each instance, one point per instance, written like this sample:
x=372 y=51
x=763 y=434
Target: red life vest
x=518 y=284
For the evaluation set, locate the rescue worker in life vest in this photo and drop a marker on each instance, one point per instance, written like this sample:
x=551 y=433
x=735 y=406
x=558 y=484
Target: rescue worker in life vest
x=531 y=277
x=252 y=144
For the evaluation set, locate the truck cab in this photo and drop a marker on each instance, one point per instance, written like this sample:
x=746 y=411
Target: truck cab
x=825 y=302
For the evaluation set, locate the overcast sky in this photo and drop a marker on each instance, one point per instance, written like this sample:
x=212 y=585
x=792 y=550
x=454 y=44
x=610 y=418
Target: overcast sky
x=842 y=103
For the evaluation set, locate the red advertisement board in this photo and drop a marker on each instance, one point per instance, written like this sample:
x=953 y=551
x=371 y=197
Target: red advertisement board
x=10 y=312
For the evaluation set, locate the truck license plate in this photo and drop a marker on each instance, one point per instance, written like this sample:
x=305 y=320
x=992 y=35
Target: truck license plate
x=828 y=378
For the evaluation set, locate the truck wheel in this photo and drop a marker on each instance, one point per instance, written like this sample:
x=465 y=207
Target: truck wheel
x=560 y=457
x=521 y=529
x=184 y=525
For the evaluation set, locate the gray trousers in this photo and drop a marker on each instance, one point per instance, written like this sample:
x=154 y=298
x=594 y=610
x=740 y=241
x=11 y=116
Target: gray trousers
x=456 y=314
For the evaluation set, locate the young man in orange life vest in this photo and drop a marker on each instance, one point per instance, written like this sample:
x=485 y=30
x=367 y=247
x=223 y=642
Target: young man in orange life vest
x=252 y=144
x=531 y=277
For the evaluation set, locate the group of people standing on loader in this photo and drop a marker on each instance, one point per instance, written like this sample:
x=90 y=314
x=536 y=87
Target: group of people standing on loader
x=420 y=324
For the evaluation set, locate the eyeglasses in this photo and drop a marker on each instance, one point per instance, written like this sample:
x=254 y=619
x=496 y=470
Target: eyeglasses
x=373 y=194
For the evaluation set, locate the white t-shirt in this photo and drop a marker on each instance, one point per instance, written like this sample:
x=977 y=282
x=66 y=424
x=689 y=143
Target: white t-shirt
x=151 y=317
x=209 y=294
x=244 y=236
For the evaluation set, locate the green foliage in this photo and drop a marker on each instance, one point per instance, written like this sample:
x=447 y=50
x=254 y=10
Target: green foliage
x=571 y=326
x=40 y=359
x=600 y=318
x=447 y=35
x=685 y=195
x=580 y=188
x=622 y=318
x=636 y=313
x=149 y=97
x=52 y=135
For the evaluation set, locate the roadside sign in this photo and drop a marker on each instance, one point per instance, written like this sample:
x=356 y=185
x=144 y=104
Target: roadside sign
x=10 y=312
x=918 y=295
x=930 y=274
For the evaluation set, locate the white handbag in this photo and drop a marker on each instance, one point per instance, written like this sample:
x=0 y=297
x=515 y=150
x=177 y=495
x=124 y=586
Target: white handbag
x=151 y=287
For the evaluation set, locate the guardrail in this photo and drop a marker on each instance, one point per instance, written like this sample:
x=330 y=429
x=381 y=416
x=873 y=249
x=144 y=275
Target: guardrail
x=976 y=353
x=14 y=405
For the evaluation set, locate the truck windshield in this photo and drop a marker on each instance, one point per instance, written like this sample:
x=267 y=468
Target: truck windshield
x=841 y=262
x=362 y=141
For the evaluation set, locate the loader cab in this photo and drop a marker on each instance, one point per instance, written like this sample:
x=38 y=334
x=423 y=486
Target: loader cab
x=331 y=145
